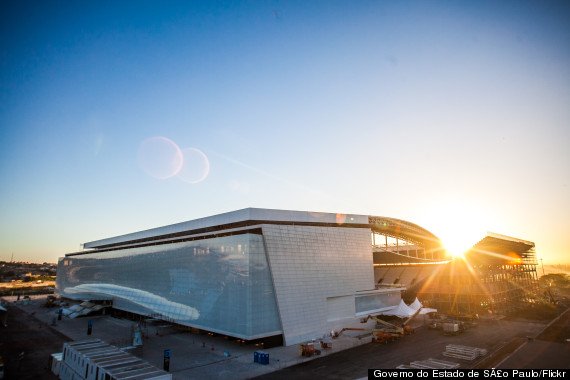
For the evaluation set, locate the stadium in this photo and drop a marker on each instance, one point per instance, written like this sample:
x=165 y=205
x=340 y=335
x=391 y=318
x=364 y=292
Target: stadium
x=288 y=275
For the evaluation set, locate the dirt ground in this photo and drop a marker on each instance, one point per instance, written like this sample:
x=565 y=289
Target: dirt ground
x=559 y=331
x=36 y=340
x=548 y=350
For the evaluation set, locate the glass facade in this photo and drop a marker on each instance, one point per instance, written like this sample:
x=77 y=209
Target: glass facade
x=374 y=302
x=220 y=284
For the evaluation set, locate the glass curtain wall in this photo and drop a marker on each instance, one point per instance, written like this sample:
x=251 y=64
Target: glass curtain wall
x=220 y=284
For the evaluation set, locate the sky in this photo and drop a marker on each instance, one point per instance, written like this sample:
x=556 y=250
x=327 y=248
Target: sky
x=121 y=116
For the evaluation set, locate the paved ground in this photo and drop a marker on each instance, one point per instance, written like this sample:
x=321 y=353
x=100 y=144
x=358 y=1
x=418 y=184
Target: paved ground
x=193 y=355
x=550 y=349
x=208 y=357
x=425 y=344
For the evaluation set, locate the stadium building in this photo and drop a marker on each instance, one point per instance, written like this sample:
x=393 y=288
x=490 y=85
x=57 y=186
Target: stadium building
x=497 y=276
x=252 y=273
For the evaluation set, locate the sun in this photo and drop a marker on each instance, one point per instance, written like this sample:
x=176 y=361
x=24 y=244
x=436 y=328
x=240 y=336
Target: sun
x=459 y=225
x=459 y=236
x=455 y=246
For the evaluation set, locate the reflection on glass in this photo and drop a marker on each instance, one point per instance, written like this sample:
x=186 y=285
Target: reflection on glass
x=157 y=304
x=222 y=284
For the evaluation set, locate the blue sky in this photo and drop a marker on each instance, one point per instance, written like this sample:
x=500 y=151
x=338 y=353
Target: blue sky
x=453 y=115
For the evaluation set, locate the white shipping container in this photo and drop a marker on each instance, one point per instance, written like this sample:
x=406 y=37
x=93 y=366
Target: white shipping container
x=56 y=362
x=67 y=373
x=97 y=360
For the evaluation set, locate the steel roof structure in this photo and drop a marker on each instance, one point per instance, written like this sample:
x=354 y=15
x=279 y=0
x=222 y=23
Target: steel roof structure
x=498 y=249
x=406 y=230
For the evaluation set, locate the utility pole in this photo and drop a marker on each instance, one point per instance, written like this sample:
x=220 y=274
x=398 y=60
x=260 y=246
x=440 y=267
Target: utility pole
x=542 y=262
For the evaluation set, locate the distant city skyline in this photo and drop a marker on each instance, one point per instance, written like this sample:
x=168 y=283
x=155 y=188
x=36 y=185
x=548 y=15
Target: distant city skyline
x=117 y=117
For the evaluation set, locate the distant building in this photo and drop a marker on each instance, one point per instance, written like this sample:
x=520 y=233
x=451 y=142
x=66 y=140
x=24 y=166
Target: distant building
x=251 y=273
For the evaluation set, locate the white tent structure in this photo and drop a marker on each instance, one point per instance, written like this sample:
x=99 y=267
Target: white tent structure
x=401 y=311
x=418 y=305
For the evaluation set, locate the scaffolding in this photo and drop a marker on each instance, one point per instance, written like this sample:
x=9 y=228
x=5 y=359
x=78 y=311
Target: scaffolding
x=497 y=276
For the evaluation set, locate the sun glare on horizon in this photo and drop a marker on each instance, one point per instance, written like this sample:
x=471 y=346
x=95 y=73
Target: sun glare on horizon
x=459 y=225
x=456 y=249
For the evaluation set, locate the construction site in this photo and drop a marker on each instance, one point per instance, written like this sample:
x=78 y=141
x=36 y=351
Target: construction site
x=496 y=276
x=246 y=290
x=249 y=274
x=31 y=337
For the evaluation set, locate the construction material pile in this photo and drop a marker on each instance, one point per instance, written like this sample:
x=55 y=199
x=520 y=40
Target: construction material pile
x=463 y=352
x=430 y=364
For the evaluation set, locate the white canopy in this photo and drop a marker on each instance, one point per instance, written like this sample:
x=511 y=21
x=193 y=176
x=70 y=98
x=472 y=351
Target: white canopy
x=416 y=304
x=401 y=311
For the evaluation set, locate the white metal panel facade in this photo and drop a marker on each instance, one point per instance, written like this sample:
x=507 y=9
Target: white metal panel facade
x=310 y=264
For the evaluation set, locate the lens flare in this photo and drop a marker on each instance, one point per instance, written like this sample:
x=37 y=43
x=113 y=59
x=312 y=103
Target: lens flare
x=195 y=167
x=160 y=157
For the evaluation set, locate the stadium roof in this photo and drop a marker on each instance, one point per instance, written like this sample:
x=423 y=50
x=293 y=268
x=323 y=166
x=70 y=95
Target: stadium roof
x=254 y=216
x=495 y=248
x=408 y=231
